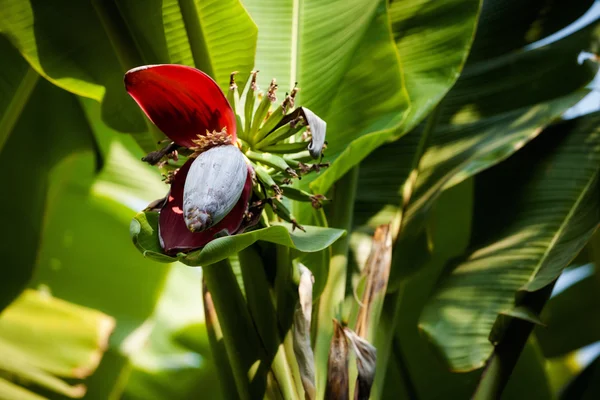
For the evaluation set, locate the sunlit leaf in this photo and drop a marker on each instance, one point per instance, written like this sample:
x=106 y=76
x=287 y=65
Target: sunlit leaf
x=546 y=207
x=43 y=338
x=433 y=41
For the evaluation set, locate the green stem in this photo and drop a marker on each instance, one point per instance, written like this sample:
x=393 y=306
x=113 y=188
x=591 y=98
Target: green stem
x=342 y=210
x=217 y=346
x=265 y=319
x=244 y=349
x=288 y=345
x=285 y=299
x=17 y=104
x=507 y=351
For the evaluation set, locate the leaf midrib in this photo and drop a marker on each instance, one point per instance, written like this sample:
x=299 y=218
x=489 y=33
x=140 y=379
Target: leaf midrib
x=17 y=104
x=562 y=228
x=295 y=40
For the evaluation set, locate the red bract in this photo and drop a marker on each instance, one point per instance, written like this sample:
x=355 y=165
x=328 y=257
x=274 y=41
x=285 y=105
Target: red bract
x=182 y=101
x=173 y=232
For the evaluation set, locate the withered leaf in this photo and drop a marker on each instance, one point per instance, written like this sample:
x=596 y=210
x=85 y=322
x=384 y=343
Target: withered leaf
x=302 y=320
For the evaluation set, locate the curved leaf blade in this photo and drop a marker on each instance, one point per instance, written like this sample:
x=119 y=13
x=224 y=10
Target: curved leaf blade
x=533 y=215
x=433 y=40
x=42 y=338
x=144 y=232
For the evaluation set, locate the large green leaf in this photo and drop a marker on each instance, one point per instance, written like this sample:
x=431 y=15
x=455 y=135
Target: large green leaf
x=42 y=138
x=86 y=47
x=570 y=319
x=43 y=338
x=144 y=231
x=433 y=39
x=59 y=227
x=495 y=108
x=332 y=51
x=533 y=214
x=486 y=117
x=362 y=115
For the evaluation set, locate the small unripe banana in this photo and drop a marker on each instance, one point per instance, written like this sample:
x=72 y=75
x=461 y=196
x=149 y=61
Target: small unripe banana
x=283 y=148
x=271 y=160
x=213 y=186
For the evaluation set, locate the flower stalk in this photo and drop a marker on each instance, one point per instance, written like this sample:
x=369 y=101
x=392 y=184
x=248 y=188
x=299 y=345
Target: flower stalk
x=244 y=349
x=264 y=315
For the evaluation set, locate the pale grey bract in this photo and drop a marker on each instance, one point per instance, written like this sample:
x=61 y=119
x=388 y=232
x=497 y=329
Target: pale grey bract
x=213 y=186
x=317 y=129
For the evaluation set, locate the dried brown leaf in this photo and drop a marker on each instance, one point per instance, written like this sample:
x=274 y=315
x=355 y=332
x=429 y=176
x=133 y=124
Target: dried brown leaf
x=377 y=271
x=337 y=366
x=366 y=360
